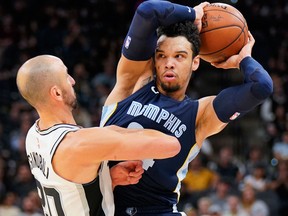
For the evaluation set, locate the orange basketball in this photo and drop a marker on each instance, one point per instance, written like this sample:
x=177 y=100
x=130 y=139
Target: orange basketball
x=224 y=32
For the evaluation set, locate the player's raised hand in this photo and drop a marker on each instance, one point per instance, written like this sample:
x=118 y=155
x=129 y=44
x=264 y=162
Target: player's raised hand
x=199 y=14
x=234 y=61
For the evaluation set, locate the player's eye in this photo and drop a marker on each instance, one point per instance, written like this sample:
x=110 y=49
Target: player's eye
x=179 y=56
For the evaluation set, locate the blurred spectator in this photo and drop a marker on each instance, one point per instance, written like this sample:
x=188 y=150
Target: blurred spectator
x=233 y=207
x=18 y=137
x=189 y=210
x=227 y=166
x=280 y=186
x=280 y=148
x=215 y=210
x=8 y=206
x=199 y=178
x=82 y=86
x=82 y=116
x=251 y=205
x=274 y=110
x=257 y=179
x=198 y=181
x=104 y=81
x=223 y=190
x=29 y=208
x=35 y=199
x=23 y=182
x=278 y=98
x=203 y=206
x=255 y=156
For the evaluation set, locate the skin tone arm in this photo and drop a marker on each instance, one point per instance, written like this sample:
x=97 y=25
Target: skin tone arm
x=86 y=148
x=207 y=122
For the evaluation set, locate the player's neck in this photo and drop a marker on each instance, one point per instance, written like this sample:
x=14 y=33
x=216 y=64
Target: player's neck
x=48 y=120
x=177 y=95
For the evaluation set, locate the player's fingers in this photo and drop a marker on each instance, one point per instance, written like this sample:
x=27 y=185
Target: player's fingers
x=118 y=169
x=134 y=180
x=139 y=166
x=136 y=174
x=204 y=4
x=217 y=65
x=229 y=63
x=132 y=164
x=251 y=39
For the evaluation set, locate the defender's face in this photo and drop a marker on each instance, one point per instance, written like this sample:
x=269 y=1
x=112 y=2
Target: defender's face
x=174 y=63
x=69 y=95
x=67 y=83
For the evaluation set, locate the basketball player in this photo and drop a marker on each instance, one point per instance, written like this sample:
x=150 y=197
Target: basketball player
x=141 y=100
x=65 y=158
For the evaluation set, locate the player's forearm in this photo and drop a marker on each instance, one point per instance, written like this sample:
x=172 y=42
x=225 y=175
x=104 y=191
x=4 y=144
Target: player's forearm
x=141 y=39
x=238 y=100
x=115 y=143
x=254 y=72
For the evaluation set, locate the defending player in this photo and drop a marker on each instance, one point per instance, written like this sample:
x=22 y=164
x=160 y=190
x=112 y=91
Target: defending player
x=140 y=100
x=65 y=158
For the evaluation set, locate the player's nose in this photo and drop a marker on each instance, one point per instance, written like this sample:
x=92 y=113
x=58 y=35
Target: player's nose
x=169 y=63
x=72 y=81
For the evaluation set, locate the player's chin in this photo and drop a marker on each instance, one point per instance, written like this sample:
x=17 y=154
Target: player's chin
x=170 y=86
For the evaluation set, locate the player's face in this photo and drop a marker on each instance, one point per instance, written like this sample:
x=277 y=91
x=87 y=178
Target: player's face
x=69 y=95
x=174 y=63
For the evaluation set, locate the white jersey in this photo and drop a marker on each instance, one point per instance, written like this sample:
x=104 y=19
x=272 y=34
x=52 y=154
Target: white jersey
x=58 y=196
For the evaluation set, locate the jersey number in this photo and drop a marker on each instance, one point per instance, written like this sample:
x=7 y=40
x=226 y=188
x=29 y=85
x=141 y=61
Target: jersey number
x=47 y=194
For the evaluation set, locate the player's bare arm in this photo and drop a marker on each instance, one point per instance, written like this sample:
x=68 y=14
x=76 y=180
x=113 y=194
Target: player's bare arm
x=128 y=73
x=207 y=122
x=78 y=149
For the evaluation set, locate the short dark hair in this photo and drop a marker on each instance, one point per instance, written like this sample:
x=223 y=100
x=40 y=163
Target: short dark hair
x=187 y=29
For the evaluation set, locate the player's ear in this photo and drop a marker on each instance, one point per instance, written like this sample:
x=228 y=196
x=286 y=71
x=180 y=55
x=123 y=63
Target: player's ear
x=56 y=93
x=195 y=63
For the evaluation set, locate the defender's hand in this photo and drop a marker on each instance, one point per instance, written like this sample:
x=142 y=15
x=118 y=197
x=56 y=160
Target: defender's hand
x=126 y=172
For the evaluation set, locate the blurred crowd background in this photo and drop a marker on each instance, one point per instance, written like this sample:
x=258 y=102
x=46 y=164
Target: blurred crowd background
x=241 y=171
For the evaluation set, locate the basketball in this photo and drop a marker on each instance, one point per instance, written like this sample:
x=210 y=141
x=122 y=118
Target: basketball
x=224 y=32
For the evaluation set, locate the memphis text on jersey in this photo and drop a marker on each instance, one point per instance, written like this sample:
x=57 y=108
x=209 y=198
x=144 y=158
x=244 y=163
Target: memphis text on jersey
x=158 y=115
x=37 y=161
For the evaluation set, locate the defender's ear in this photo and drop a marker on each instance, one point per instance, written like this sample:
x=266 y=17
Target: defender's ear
x=56 y=93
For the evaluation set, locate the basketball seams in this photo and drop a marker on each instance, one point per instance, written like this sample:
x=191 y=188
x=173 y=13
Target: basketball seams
x=243 y=21
x=203 y=54
x=242 y=28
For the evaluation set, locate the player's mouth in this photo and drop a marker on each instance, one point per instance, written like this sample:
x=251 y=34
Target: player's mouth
x=169 y=75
